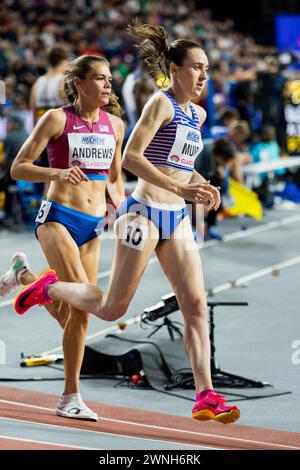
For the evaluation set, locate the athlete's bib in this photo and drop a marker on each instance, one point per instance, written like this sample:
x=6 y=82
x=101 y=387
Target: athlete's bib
x=91 y=151
x=186 y=147
x=43 y=211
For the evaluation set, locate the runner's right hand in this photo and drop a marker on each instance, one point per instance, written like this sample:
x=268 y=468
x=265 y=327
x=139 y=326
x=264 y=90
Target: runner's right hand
x=201 y=193
x=72 y=175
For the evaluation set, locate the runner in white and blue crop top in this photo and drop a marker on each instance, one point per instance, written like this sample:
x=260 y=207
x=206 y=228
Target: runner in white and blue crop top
x=161 y=152
x=177 y=144
x=174 y=146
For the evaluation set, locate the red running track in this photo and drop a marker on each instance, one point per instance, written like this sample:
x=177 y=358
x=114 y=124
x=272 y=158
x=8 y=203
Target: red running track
x=27 y=408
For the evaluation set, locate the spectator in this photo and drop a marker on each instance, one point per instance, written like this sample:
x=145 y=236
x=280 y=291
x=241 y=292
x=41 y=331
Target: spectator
x=229 y=118
x=270 y=97
x=214 y=164
x=46 y=92
x=16 y=136
x=238 y=136
x=137 y=88
x=266 y=150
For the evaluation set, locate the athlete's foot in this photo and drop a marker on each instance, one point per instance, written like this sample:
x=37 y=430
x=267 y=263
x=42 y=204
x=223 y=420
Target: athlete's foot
x=11 y=279
x=72 y=406
x=211 y=405
x=35 y=293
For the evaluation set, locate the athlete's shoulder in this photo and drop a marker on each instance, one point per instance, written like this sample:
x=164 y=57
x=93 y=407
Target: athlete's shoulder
x=160 y=97
x=201 y=113
x=53 y=121
x=55 y=116
x=160 y=105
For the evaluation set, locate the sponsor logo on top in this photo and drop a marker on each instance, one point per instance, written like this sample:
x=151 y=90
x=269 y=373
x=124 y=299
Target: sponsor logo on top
x=174 y=158
x=194 y=136
x=92 y=140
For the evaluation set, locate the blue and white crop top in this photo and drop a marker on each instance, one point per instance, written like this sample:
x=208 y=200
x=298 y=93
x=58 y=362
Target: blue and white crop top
x=178 y=143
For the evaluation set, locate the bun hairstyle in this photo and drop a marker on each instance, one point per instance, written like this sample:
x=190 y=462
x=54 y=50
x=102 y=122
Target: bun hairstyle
x=80 y=68
x=155 y=50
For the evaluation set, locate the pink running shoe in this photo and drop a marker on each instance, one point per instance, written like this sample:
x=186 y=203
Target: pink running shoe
x=211 y=405
x=35 y=293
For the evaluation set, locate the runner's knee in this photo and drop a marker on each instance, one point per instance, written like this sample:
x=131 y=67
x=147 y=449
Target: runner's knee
x=194 y=309
x=112 y=312
x=81 y=319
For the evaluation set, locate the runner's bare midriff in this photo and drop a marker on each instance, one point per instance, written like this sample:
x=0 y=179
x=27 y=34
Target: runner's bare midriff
x=87 y=197
x=153 y=193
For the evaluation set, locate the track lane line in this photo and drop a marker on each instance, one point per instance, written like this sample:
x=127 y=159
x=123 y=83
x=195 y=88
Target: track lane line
x=33 y=441
x=161 y=428
x=108 y=434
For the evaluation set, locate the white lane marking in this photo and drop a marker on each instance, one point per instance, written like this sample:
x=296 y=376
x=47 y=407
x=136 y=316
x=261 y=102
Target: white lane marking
x=10 y=438
x=182 y=431
x=261 y=228
x=80 y=430
x=256 y=274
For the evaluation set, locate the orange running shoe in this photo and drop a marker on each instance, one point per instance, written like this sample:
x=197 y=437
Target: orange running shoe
x=211 y=405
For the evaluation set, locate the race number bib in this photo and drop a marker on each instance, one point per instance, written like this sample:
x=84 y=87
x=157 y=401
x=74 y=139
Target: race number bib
x=91 y=151
x=135 y=235
x=43 y=212
x=186 y=147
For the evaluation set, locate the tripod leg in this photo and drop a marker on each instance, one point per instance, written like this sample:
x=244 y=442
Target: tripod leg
x=154 y=331
x=171 y=332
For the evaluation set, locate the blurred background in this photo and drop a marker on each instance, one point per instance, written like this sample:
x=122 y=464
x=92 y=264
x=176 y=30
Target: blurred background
x=252 y=97
x=251 y=150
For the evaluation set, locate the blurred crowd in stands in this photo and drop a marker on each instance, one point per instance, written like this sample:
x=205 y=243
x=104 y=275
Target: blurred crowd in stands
x=244 y=96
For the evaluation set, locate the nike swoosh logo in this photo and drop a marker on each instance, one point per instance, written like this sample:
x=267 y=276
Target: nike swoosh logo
x=77 y=127
x=23 y=299
x=74 y=411
x=212 y=406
